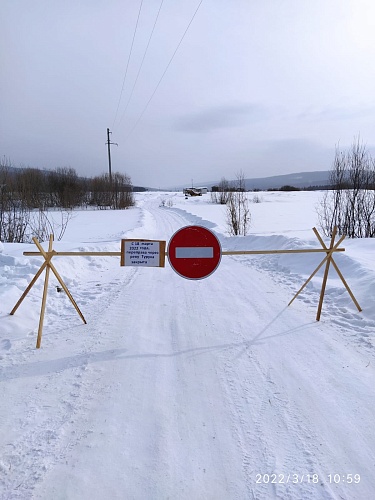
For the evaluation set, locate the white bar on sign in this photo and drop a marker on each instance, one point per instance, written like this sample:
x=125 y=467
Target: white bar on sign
x=194 y=252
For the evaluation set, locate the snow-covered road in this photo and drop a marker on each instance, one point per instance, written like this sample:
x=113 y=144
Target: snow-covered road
x=180 y=389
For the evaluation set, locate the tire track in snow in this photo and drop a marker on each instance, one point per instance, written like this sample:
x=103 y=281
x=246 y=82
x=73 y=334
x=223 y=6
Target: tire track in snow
x=296 y=444
x=192 y=423
x=267 y=458
x=272 y=435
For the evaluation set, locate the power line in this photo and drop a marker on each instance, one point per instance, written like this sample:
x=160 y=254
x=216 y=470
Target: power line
x=162 y=76
x=140 y=67
x=127 y=65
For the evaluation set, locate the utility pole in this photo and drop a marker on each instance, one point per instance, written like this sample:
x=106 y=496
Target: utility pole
x=109 y=154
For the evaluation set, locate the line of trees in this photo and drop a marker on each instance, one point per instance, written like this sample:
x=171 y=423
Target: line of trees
x=62 y=188
x=30 y=199
x=350 y=204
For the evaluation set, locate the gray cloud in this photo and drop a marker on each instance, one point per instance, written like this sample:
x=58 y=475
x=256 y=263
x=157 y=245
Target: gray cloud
x=230 y=98
x=346 y=112
x=221 y=117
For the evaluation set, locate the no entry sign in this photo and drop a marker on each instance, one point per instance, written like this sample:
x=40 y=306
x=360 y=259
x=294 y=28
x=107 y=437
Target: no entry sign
x=194 y=252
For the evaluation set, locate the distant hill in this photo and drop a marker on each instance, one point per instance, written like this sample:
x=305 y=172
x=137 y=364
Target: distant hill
x=298 y=180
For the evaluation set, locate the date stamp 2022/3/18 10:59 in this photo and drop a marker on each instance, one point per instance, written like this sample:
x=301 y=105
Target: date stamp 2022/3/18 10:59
x=294 y=478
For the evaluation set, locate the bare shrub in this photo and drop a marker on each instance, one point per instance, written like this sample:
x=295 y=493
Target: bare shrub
x=257 y=199
x=14 y=224
x=43 y=223
x=238 y=213
x=220 y=193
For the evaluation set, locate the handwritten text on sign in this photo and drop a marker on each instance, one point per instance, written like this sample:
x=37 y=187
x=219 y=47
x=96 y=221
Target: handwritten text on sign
x=146 y=253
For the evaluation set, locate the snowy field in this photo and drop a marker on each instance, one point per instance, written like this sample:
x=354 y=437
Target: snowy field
x=193 y=390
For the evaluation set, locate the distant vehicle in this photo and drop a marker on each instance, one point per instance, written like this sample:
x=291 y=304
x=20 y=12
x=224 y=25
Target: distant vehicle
x=192 y=192
x=197 y=191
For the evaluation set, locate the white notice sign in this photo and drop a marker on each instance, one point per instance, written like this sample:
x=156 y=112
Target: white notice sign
x=142 y=253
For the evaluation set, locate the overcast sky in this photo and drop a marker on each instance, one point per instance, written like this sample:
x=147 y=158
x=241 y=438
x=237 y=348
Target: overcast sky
x=268 y=87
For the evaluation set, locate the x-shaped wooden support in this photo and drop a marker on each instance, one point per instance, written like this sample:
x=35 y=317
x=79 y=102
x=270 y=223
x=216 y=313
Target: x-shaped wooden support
x=327 y=260
x=47 y=265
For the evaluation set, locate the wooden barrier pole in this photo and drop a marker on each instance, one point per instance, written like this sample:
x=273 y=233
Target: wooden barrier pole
x=339 y=272
x=263 y=252
x=44 y=299
x=224 y=252
x=74 y=254
x=60 y=281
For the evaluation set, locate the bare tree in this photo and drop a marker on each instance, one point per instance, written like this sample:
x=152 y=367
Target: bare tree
x=350 y=204
x=238 y=213
x=22 y=207
x=115 y=193
x=14 y=215
x=30 y=184
x=122 y=191
x=65 y=188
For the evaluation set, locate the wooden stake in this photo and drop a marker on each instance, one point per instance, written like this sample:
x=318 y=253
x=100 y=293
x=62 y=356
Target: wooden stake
x=162 y=254
x=325 y=277
x=44 y=299
x=32 y=283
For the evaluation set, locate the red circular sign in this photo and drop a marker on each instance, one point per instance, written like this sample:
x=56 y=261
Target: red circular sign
x=194 y=252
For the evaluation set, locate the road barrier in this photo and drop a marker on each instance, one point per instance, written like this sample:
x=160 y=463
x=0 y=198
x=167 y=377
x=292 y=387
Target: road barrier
x=194 y=252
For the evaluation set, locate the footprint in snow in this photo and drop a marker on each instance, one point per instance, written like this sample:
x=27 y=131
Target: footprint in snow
x=6 y=344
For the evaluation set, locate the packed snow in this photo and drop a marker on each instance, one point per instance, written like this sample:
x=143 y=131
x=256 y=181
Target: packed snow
x=182 y=389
